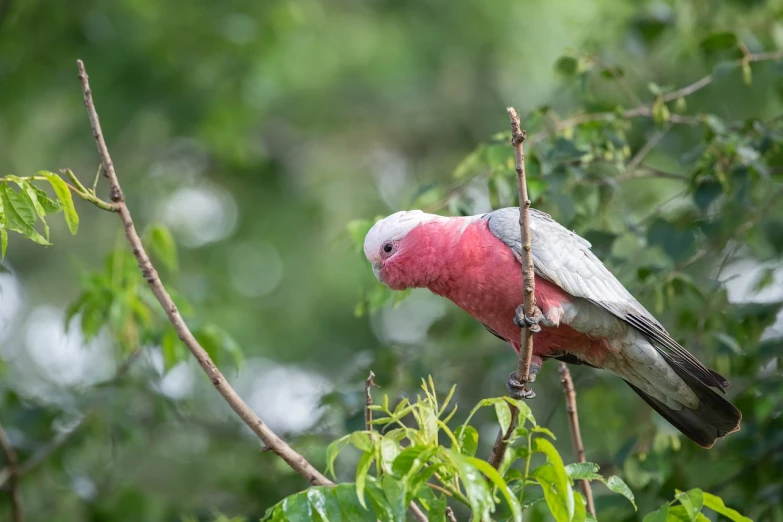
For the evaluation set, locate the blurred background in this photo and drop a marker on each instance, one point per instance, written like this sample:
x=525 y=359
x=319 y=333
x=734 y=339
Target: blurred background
x=257 y=131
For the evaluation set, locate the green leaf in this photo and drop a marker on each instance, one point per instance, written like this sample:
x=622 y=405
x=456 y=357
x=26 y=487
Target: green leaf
x=173 y=350
x=389 y=452
x=29 y=191
x=468 y=438
x=561 y=482
x=350 y=506
x=61 y=189
x=334 y=449
x=545 y=431
x=580 y=510
x=361 y=475
x=50 y=206
x=20 y=214
x=297 y=508
x=560 y=500
x=406 y=459
x=658 y=516
x=583 y=471
x=692 y=500
x=3 y=240
x=616 y=484
x=325 y=504
x=163 y=246
x=493 y=475
x=437 y=509
x=503 y=411
x=716 y=504
x=362 y=440
x=476 y=488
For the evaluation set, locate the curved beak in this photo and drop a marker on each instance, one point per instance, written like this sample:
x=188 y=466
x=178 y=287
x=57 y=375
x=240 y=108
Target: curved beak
x=376 y=269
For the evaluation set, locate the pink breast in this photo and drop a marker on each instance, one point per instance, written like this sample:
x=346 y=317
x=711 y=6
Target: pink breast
x=485 y=279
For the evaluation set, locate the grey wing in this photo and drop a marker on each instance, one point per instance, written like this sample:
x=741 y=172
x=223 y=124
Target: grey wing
x=565 y=259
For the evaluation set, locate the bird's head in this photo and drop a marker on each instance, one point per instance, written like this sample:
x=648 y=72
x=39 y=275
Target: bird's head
x=401 y=248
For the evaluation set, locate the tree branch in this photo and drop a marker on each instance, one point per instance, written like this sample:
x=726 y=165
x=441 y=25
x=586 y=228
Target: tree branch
x=12 y=460
x=270 y=439
x=528 y=283
x=576 y=436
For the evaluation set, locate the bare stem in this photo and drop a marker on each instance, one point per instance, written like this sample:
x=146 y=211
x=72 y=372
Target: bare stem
x=450 y=515
x=528 y=282
x=12 y=461
x=270 y=439
x=368 y=401
x=576 y=435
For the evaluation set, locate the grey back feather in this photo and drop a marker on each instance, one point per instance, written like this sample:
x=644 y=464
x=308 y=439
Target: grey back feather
x=564 y=258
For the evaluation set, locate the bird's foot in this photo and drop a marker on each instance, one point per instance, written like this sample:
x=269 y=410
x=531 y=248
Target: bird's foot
x=523 y=321
x=521 y=390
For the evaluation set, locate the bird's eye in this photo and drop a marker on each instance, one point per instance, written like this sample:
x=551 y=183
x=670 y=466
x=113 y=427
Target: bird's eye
x=388 y=247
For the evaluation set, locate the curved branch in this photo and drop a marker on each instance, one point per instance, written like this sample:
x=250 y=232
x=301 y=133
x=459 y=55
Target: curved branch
x=270 y=439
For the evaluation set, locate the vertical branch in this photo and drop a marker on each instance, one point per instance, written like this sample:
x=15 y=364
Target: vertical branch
x=528 y=282
x=368 y=401
x=13 y=467
x=576 y=435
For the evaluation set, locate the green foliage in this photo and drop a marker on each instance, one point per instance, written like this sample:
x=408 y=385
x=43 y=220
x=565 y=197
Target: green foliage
x=688 y=507
x=416 y=461
x=20 y=210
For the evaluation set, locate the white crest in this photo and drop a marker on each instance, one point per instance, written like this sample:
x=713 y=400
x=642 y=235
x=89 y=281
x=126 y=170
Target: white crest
x=394 y=228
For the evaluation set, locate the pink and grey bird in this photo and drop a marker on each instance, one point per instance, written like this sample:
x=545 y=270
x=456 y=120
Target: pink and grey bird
x=587 y=316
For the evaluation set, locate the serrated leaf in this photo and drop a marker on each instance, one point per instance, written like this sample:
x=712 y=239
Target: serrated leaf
x=334 y=449
x=20 y=214
x=61 y=189
x=494 y=477
x=361 y=475
x=468 y=438
x=29 y=191
x=163 y=246
x=50 y=206
x=583 y=471
x=716 y=504
x=616 y=484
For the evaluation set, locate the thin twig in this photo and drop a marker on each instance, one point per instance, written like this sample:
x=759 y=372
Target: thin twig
x=270 y=439
x=576 y=436
x=12 y=460
x=528 y=283
x=368 y=400
x=644 y=151
x=450 y=515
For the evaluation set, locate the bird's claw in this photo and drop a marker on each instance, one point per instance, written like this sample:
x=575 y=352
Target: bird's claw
x=519 y=390
x=523 y=321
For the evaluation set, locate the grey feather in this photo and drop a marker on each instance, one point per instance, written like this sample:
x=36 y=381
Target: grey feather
x=564 y=258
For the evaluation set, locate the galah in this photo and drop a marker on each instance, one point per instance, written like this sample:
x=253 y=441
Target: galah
x=583 y=314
